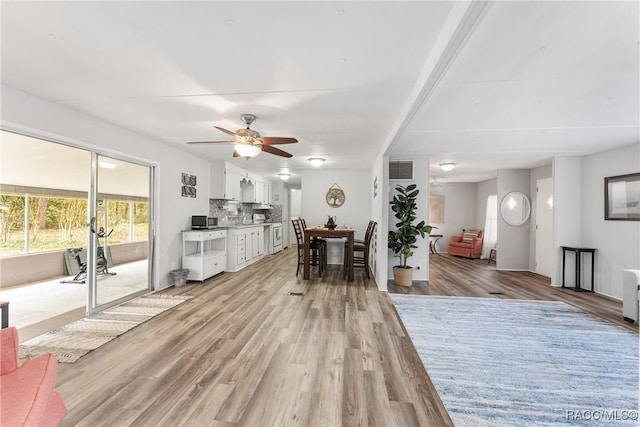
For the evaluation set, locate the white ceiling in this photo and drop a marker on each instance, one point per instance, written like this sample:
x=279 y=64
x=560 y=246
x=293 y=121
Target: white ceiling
x=509 y=85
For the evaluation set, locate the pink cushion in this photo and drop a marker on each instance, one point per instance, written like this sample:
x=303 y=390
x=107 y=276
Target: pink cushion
x=25 y=392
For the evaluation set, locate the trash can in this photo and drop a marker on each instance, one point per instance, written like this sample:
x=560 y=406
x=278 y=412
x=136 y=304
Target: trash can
x=179 y=277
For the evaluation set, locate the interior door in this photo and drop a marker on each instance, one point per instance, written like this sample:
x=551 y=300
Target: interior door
x=544 y=227
x=121 y=232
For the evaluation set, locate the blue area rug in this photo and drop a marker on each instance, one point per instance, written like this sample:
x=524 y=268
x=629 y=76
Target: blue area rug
x=499 y=362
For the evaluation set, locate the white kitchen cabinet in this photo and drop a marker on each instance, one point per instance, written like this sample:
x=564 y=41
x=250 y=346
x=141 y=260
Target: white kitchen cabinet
x=269 y=193
x=224 y=181
x=241 y=248
x=248 y=189
x=233 y=190
x=204 y=253
x=257 y=242
x=261 y=188
x=246 y=246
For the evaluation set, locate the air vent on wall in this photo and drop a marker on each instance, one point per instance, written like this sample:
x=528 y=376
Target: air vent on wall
x=400 y=170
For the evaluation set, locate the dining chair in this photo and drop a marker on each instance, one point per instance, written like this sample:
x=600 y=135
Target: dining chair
x=360 y=247
x=317 y=251
x=317 y=240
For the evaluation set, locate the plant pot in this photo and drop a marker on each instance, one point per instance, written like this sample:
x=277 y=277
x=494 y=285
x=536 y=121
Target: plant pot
x=403 y=276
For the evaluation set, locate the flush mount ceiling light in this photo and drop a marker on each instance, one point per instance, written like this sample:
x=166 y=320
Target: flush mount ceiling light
x=107 y=165
x=447 y=166
x=247 y=150
x=284 y=176
x=316 y=161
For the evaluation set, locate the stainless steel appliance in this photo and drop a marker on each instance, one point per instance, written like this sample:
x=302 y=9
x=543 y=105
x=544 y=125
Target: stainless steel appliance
x=199 y=222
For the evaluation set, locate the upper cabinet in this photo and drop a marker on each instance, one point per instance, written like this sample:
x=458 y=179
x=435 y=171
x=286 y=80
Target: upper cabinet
x=225 y=181
x=248 y=186
x=232 y=185
x=256 y=189
x=230 y=182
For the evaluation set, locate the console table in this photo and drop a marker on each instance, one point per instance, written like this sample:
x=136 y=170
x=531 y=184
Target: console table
x=578 y=254
x=432 y=243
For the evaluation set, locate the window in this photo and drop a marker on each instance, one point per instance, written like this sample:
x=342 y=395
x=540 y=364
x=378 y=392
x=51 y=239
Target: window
x=53 y=223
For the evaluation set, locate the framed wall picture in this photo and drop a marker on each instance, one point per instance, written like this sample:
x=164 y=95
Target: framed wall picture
x=188 y=185
x=622 y=197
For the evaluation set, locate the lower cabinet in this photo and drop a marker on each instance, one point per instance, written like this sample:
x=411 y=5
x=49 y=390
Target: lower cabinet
x=204 y=253
x=246 y=246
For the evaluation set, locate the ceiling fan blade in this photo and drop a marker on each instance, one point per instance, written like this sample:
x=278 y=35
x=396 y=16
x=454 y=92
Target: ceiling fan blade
x=276 y=151
x=211 y=142
x=228 y=132
x=271 y=140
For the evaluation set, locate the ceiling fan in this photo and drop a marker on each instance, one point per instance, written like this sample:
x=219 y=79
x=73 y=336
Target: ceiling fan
x=248 y=142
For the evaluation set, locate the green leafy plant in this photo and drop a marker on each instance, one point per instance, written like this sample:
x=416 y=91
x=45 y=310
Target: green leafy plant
x=403 y=240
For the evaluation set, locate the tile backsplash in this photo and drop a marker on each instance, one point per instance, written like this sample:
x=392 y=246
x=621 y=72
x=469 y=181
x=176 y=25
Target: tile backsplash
x=234 y=213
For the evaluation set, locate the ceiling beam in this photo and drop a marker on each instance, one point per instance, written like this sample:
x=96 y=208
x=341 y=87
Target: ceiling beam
x=460 y=24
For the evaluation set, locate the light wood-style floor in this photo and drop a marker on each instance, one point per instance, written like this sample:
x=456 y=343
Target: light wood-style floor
x=456 y=276
x=244 y=352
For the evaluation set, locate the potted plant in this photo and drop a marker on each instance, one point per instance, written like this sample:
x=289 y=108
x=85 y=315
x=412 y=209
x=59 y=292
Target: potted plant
x=402 y=240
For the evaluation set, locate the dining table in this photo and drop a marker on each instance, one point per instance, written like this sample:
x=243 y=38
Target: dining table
x=324 y=232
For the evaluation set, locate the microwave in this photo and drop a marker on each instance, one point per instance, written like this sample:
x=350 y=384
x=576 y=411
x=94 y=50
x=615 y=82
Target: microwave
x=203 y=221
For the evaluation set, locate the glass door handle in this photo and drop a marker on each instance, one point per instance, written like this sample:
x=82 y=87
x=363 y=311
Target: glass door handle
x=92 y=224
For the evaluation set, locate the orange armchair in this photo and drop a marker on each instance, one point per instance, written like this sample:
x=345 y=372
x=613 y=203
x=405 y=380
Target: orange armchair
x=27 y=392
x=469 y=244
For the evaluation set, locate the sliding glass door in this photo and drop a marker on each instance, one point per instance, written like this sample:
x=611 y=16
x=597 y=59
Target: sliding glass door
x=75 y=231
x=120 y=230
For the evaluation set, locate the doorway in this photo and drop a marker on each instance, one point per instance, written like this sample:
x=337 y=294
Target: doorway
x=120 y=212
x=544 y=227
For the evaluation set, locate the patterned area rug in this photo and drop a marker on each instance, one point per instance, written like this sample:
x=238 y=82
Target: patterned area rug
x=498 y=362
x=70 y=342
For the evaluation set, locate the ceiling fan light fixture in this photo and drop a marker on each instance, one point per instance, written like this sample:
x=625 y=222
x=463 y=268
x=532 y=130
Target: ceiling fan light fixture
x=247 y=150
x=284 y=176
x=447 y=166
x=316 y=161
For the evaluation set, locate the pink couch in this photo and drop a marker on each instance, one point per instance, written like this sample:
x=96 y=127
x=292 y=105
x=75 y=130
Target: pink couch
x=27 y=392
x=468 y=244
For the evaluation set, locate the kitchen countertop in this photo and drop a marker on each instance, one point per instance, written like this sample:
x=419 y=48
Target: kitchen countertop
x=237 y=226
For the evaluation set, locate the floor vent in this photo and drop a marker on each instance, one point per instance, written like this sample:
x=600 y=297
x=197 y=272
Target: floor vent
x=496 y=293
x=296 y=294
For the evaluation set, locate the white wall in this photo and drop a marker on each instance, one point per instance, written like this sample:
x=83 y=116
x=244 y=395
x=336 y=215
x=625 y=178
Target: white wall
x=459 y=211
x=379 y=213
x=353 y=213
x=567 y=212
x=617 y=242
x=513 y=241
x=34 y=116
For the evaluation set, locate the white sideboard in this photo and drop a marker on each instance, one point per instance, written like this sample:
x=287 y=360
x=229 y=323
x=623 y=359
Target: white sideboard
x=204 y=253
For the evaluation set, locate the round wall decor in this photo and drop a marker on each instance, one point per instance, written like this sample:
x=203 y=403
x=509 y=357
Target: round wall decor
x=335 y=196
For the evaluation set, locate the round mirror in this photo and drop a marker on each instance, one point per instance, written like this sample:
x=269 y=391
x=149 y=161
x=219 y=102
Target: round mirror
x=515 y=208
